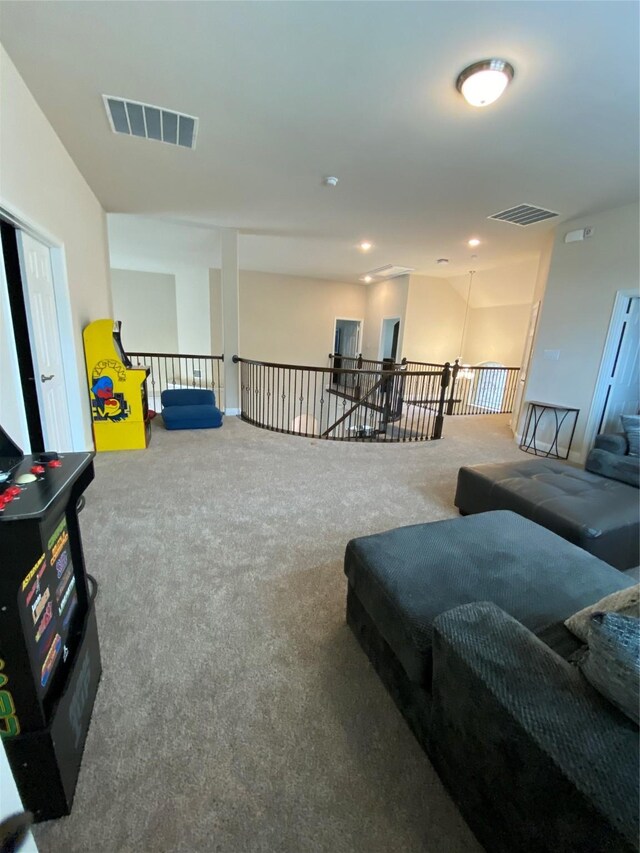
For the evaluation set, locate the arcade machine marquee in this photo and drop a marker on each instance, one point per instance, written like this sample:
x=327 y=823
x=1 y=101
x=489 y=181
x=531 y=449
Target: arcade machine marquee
x=49 y=653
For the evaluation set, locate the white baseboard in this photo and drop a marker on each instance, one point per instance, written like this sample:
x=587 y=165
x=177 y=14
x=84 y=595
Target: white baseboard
x=232 y=412
x=544 y=446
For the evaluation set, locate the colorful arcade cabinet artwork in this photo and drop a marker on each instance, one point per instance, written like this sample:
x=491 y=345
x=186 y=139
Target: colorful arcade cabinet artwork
x=117 y=390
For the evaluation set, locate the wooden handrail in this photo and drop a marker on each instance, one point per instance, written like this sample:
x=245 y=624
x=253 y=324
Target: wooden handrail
x=401 y=372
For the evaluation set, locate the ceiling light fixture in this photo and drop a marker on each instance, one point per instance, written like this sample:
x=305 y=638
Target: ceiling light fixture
x=482 y=83
x=367 y=279
x=473 y=242
x=366 y=245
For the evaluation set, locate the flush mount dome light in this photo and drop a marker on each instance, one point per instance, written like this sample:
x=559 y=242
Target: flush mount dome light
x=483 y=82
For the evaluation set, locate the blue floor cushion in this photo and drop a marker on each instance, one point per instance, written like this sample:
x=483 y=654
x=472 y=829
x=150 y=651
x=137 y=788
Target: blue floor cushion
x=190 y=408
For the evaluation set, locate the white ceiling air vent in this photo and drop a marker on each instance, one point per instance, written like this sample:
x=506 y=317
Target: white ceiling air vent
x=524 y=214
x=390 y=271
x=135 y=119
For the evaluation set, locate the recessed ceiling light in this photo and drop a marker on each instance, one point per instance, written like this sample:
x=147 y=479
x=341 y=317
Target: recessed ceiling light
x=330 y=181
x=474 y=242
x=365 y=245
x=482 y=83
x=442 y=261
x=367 y=279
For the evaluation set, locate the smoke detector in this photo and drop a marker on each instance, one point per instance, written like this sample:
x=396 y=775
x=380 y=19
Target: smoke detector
x=330 y=181
x=442 y=261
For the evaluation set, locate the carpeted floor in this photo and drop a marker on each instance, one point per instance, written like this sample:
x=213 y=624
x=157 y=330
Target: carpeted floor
x=236 y=712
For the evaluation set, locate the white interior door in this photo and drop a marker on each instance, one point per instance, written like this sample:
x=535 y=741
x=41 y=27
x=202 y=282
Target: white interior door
x=622 y=393
x=347 y=332
x=351 y=339
x=44 y=335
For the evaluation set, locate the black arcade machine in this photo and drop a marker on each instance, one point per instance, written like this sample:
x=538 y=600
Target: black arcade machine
x=49 y=653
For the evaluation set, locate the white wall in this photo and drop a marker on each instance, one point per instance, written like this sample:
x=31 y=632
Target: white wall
x=40 y=184
x=146 y=304
x=193 y=310
x=435 y=317
x=384 y=299
x=583 y=281
x=291 y=320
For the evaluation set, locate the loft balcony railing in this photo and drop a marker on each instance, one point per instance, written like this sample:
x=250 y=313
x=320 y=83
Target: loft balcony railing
x=385 y=403
x=172 y=370
x=477 y=390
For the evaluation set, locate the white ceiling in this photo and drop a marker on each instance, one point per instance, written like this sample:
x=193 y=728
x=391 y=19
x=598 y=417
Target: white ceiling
x=289 y=92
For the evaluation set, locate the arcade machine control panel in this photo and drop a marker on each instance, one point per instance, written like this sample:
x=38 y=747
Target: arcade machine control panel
x=32 y=484
x=49 y=651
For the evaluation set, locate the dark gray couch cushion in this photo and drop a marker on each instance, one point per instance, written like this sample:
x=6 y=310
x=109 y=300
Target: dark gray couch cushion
x=594 y=512
x=406 y=577
x=625 y=469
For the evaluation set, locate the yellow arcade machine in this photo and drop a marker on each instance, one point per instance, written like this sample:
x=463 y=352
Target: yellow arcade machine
x=118 y=390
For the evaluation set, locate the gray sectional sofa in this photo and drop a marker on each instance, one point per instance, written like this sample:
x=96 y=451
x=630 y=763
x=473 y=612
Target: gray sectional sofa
x=597 y=508
x=463 y=621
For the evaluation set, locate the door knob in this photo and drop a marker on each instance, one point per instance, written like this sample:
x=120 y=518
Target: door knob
x=44 y=378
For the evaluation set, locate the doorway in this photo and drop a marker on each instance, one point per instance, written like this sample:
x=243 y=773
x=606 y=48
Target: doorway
x=347 y=337
x=618 y=389
x=41 y=341
x=389 y=334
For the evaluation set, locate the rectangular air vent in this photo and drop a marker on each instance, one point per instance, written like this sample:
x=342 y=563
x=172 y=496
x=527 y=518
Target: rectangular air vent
x=384 y=273
x=135 y=119
x=524 y=214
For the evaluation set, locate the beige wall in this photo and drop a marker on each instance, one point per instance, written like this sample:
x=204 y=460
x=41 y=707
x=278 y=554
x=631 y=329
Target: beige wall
x=435 y=316
x=496 y=334
x=583 y=281
x=215 y=303
x=291 y=320
x=40 y=184
x=384 y=299
x=146 y=304
x=500 y=307
x=509 y=284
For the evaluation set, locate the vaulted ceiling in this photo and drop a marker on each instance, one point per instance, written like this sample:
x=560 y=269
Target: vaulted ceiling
x=287 y=93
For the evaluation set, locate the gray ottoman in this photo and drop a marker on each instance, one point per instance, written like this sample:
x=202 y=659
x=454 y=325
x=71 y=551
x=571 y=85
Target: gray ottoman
x=596 y=513
x=400 y=580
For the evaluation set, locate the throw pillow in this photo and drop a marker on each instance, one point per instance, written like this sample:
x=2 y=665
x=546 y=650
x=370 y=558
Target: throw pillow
x=631 y=427
x=612 y=664
x=625 y=601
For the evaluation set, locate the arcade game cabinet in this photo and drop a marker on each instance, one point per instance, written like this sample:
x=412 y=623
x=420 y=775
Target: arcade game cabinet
x=49 y=653
x=118 y=391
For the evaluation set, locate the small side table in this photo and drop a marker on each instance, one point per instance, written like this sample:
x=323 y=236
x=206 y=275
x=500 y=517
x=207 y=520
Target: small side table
x=561 y=415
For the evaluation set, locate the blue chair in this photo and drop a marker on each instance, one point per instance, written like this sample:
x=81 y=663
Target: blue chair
x=190 y=408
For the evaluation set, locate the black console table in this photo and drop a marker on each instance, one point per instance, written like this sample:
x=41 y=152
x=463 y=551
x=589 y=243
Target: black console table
x=561 y=415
